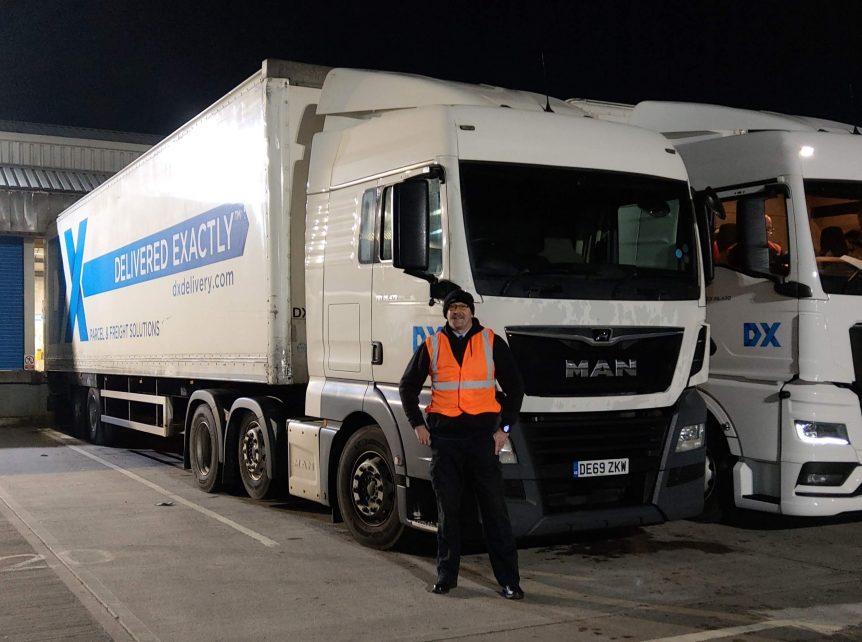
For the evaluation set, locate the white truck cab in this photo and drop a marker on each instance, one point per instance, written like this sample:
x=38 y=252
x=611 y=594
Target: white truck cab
x=261 y=278
x=784 y=308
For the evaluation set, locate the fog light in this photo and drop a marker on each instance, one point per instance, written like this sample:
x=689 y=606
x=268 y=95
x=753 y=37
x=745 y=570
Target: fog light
x=819 y=479
x=507 y=453
x=691 y=437
x=818 y=432
x=825 y=473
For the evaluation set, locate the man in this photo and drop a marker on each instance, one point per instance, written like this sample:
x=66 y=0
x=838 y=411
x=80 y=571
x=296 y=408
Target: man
x=774 y=248
x=466 y=434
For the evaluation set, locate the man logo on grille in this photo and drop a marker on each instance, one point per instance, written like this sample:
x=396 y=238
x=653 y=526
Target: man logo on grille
x=602 y=335
x=601 y=368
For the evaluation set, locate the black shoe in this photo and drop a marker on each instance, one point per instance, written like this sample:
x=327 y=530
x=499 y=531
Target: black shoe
x=512 y=592
x=442 y=588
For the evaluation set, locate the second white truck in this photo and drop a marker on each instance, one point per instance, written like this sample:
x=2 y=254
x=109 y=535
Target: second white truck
x=785 y=427
x=260 y=279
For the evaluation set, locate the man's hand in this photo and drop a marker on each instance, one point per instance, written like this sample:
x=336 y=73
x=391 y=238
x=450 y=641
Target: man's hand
x=422 y=435
x=500 y=439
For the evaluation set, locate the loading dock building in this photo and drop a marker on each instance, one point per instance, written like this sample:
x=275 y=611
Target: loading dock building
x=43 y=170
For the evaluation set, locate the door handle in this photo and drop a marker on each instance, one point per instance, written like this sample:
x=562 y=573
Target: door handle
x=376 y=353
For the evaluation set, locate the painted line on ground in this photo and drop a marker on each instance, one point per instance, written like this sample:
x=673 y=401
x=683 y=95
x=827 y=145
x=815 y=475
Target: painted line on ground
x=717 y=634
x=84 y=585
x=263 y=539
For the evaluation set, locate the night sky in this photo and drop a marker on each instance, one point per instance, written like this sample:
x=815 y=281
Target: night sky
x=149 y=65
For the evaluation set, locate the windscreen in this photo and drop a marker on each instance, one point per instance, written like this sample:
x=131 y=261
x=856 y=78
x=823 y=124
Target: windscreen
x=563 y=233
x=834 y=212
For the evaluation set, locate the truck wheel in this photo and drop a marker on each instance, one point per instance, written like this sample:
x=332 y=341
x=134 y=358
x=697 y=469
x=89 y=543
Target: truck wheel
x=254 y=452
x=718 y=477
x=97 y=432
x=203 y=449
x=79 y=412
x=366 y=490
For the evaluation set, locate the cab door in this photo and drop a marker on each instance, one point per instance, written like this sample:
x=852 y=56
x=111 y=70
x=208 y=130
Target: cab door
x=401 y=316
x=347 y=282
x=753 y=326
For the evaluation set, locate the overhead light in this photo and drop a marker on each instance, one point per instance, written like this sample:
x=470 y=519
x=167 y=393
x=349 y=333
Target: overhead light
x=806 y=151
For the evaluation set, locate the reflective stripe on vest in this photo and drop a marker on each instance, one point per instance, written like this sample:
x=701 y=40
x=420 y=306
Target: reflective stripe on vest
x=451 y=396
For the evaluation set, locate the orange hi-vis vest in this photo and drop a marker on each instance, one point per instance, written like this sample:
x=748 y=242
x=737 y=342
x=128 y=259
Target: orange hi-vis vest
x=468 y=388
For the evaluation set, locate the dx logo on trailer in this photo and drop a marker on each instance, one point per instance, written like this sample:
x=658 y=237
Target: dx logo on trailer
x=75 y=257
x=761 y=335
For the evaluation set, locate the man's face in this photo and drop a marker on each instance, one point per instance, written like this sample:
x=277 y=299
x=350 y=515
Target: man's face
x=459 y=317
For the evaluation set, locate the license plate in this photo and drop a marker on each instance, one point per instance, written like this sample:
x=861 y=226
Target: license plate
x=600 y=467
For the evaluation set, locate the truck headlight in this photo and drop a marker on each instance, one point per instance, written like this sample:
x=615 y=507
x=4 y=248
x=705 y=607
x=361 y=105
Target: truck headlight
x=819 y=432
x=691 y=437
x=507 y=453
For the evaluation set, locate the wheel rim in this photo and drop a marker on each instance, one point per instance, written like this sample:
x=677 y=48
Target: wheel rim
x=709 y=476
x=253 y=452
x=372 y=488
x=203 y=448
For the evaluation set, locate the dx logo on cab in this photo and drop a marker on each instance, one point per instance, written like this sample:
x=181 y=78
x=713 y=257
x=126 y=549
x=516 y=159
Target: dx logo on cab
x=760 y=334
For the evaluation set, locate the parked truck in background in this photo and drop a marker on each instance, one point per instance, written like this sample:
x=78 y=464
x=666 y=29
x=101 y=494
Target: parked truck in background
x=783 y=396
x=259 y=280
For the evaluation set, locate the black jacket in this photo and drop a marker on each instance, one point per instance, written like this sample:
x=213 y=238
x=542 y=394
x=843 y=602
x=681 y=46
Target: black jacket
x=506 y=371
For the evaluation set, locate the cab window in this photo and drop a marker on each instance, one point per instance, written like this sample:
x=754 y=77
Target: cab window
x=725 y=249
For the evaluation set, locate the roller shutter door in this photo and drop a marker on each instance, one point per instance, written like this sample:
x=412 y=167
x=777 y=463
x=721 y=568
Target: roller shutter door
x=11 y=303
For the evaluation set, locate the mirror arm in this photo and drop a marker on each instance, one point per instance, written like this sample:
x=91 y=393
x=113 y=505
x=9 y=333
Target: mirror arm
x=760 y=275
x=793 y=289
x=425 y=276
x=437 y=289
x=441 y=288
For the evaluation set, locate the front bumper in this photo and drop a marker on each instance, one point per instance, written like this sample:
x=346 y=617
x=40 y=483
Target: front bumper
x=661 y=485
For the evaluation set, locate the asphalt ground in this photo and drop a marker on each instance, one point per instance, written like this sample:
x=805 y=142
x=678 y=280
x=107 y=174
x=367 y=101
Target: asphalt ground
x=117 y=543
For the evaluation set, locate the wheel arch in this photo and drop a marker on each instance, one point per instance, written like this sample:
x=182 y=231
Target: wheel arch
x=720 y=422
x=217 y=400
x=377 y=407
x=271 y=413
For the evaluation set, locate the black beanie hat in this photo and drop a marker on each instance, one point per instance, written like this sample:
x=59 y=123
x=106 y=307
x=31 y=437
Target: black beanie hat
x=459 y=296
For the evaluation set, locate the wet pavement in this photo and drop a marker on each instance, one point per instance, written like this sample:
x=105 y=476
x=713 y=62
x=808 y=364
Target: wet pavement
x=117 y=543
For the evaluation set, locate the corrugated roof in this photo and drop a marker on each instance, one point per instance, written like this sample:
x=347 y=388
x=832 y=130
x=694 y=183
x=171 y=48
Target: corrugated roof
x=42 y=179
x=39 y=129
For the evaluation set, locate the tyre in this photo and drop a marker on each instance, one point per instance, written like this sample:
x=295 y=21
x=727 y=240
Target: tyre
x=718 y=477
x=253 y=454
x=366 y=489
x=97 y=432
x=79 y=412
x=204 y=449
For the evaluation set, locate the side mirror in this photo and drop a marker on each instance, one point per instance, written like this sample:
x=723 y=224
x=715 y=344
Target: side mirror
x=707 y=208
x=752 y=245
x=411 y=225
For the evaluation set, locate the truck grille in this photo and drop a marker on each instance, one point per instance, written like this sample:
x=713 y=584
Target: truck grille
x=556 y=441
x=571 y=361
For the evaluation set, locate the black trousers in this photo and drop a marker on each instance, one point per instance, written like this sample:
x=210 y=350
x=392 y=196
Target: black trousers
x=460 y=461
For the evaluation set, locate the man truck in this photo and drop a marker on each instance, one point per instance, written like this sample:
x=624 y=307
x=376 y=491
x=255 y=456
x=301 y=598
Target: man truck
x=259 y=280
x=783 y=395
